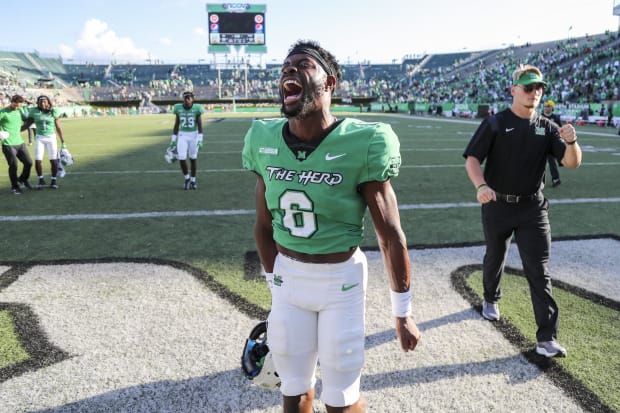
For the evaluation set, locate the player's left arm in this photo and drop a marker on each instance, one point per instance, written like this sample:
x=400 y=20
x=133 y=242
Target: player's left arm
x=59 y=129
x=572 y=154
x=199 y=123
x=199 y=136
x=383 y=206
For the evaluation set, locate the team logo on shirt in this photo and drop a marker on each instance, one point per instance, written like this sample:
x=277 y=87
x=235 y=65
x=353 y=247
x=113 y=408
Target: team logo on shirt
x=277 y=173
x=330 y=157
x=540 y=131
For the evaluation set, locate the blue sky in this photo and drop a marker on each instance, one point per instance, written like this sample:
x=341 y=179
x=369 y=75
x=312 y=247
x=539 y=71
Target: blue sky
x=380 y=31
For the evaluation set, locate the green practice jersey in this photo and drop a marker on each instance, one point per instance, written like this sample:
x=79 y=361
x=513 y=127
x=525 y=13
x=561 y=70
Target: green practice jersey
x=315 y=204
x=187 y=117
x=11 y=122
x=44 y=121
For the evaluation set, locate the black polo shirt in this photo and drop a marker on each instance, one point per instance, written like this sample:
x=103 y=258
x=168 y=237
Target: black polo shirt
x=554 y=118
x=515 y=151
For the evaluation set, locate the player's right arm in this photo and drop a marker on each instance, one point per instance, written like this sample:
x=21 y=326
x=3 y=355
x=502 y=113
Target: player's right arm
x=27 y=117
x=484 y=193
x=263 y=229
x=26 y=124
x=59 y=130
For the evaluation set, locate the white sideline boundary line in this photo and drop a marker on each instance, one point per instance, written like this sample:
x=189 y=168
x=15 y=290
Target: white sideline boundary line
x=237 y=212
x=176 y=171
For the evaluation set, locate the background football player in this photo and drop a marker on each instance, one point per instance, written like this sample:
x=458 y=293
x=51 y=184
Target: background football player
x=47 y=121
x=187 y=136
x=316 y=177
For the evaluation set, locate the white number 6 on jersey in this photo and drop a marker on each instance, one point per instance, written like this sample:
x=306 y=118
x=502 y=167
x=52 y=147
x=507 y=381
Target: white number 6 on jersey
x=299 y=215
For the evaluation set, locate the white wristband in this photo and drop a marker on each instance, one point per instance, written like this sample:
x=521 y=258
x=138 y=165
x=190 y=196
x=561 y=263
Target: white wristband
x=269 y=279
x=199 y=136
x=401 y=303
x=173 y=138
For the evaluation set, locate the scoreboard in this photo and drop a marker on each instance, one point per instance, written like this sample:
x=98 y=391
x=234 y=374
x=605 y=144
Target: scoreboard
x=236 y=24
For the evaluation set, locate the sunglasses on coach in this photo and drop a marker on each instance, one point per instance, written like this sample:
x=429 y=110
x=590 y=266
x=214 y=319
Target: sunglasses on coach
x=532 y=86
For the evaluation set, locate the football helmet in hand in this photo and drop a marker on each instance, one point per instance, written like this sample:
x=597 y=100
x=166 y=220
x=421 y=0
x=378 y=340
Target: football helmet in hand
x=66 y=159
x=61 y=171
x=256 y=360
x=171 y=154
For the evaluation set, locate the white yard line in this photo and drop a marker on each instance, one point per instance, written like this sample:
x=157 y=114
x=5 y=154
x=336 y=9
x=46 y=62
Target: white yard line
x=229 y=170
x=233 y=212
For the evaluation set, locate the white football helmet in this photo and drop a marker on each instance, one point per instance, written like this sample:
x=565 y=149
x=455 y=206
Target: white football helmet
x=61 y=170
x=256 y=360
x=66 y=159
x=171 y=155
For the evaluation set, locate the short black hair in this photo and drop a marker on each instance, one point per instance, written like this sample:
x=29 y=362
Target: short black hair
x=17 y=99
x=326 y=55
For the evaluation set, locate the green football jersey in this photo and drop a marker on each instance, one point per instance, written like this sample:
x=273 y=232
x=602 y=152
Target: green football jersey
x=315 y=204
x=44 y=121
x=187 y=117
x=11 y=122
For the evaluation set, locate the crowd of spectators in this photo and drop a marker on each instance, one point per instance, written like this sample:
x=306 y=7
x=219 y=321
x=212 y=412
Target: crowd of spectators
x=581 y=70
x=586 y=71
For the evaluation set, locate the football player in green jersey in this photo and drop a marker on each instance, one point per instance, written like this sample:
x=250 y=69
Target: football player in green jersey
x=316 y=177
x=47 y=121
x=13 y=146
x=187 y=136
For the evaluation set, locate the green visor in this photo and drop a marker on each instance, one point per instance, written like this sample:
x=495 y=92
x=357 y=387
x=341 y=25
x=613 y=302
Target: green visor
x=530 y=77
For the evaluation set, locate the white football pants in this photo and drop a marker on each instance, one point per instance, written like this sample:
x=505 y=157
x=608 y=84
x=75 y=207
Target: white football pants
x=317 y=313
x=187 y=142
x=42 y=144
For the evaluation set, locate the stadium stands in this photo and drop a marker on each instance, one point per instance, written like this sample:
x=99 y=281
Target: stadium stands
x=581 y=71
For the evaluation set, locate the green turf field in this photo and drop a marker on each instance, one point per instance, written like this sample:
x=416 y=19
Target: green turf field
x=120 y=169
x=121 y=200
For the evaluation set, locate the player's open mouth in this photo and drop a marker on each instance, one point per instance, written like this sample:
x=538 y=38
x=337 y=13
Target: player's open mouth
x=291 y=91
